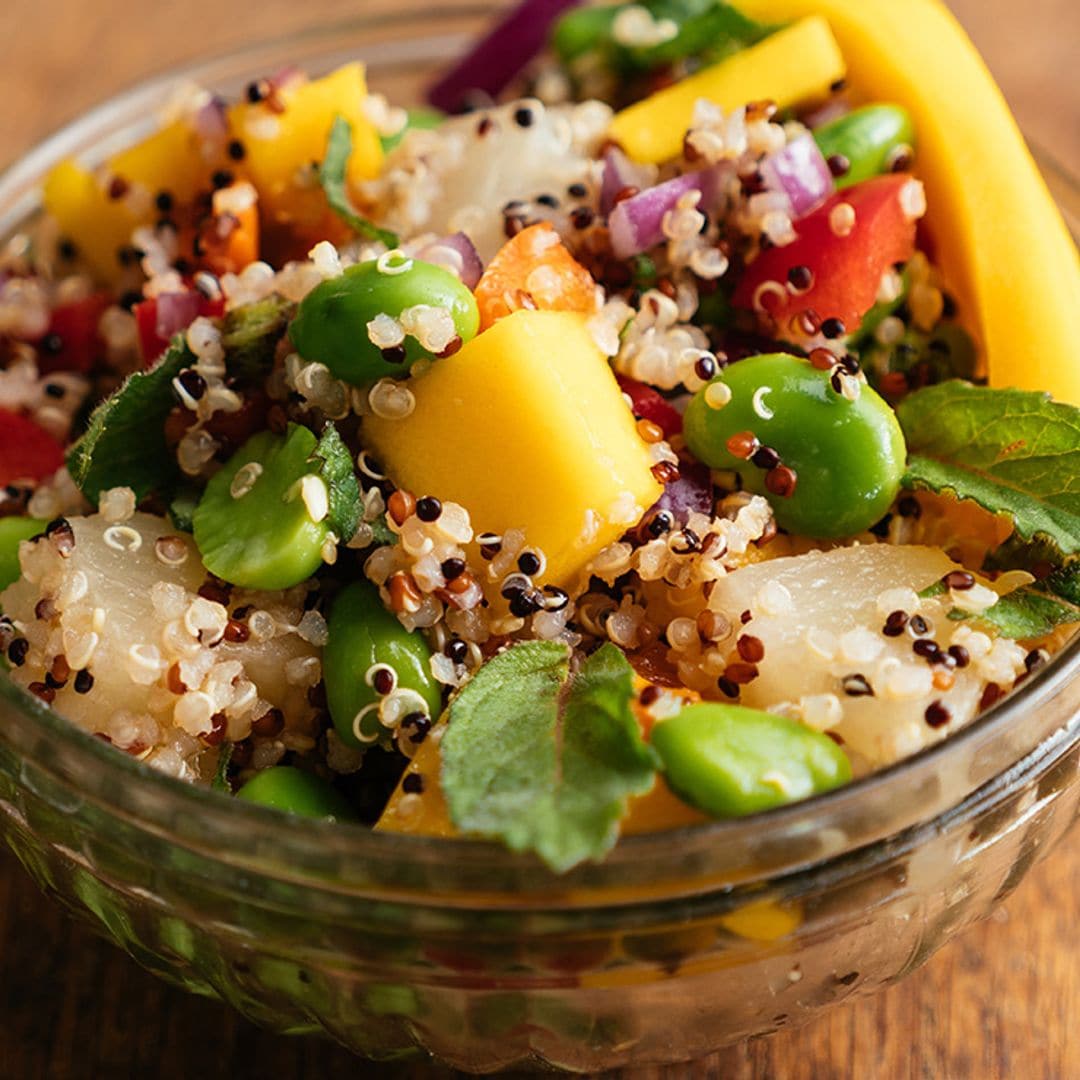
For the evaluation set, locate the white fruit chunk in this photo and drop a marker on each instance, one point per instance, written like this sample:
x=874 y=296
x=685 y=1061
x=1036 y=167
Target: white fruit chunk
x=820 y=618
x=123 y=604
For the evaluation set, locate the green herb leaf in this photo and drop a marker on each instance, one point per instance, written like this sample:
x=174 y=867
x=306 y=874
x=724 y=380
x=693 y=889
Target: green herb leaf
x=124 y=442
x=220 y=781
x=344 y=491
x=1011 y=451
x=1023 y=613
x=332 y=178
x=250 y=335
x=182 y=507
x=543 y=763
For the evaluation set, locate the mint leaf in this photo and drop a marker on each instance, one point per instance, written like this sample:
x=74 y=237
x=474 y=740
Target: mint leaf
x=341 y=485
x=332 y=178
x=124 y=442
x=1023 y=613
x=220 y=782
x=541 y=761
x=1011 y=451
x=1032 y=517
x=250 y=335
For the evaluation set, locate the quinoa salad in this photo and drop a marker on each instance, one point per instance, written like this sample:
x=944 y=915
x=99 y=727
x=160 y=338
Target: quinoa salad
x=630 y=437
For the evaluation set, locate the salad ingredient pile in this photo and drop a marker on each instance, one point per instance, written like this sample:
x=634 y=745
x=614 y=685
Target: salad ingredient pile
x=642 y=435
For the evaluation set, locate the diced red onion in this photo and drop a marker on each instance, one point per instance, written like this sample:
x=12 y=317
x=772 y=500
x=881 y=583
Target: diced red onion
x=636 y=223
x=832 y=109
x=801 y=172
x=211 y=121
x=176 y=311
x=619 y=174
x=286 y=77
x=498 y=56
x=471 y=265
x=693 y=491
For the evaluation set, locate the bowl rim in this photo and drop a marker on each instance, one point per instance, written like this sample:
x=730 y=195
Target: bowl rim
x=19 y=196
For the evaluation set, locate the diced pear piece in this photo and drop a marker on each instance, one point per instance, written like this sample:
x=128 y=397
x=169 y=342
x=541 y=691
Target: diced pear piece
x=526 y=428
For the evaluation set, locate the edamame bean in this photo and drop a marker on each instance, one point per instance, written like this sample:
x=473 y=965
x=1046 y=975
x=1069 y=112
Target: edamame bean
x=830 y=467
x=256 y=525
x=13 y=531
x=369 y=654
x=297 y=792
x=873 y=140
x=729 y=761
x=332 y=323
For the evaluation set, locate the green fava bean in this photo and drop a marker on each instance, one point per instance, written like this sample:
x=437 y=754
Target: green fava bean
x=297 y=792
x=846 y=457
x=331 y=325
x=255 y=529
x=361 y=633
x=13 y=531
x=729 y=761
x=872 y=139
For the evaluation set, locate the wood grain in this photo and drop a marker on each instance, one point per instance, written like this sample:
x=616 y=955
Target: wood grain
x=1002 y=1001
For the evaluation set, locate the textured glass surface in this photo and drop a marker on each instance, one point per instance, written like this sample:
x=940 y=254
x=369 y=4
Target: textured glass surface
x=675 y=945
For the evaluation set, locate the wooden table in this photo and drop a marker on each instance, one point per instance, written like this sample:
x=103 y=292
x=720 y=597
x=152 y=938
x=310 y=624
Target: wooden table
x=1002 y=1001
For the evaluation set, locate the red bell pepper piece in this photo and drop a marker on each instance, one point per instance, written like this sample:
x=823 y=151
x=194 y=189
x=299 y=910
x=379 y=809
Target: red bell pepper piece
x=846 y=252
x=27 y=450
x=650 y=404
x=72 y=342
x=183 y=310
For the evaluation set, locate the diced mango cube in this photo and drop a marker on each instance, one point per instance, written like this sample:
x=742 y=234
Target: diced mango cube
x=282 y=147
x=170 y=160
x=97 y=225
x=526 y=427
x=795 y=65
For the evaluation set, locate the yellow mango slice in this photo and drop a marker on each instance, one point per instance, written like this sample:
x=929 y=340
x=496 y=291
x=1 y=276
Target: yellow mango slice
x=763 y=920
x=169 y=160
x=97 y=225
x=997 y=235
x=792 y=66
x=526 y=428
x=281 y=147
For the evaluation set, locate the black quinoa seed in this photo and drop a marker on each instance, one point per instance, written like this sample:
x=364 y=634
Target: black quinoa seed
x=577 y=191
x=192 y=382
x=17 y=651
x=800 y=277
x=452 y=568
x=394 y=354
x=765 y=457
x=525 y=603
x=523 y=117
x=84 y=682
x=833 y=328
x=838 y=165
x=529 y=563
x=937 y=715
x=960 y=580
x=61 y=535
x=413 y=784
x=457 y=650
x=928 y=649
x=54 y=390
x=420 y=726
x=383 y=681
x=163 y=201
x=51 y=344
x=960 y=656
x=857 y=686
x=547 y=200
x=705 y=368
x=727 y=687
x=67 y=250
x=909 y=507
x=428 y=508
x=222 y=178
x=918 y=625
x=895 y=623
x=1035 y=659
x=236 y=150
x=660 y=523
x=130 y=298
x=582 y=217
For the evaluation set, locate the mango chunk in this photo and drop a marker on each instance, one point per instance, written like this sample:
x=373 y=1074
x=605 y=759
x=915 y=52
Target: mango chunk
x=526 y=427
x=282 y=147
x=997 y=236
x=171 y=160
x=792 y=66
x=97 y=225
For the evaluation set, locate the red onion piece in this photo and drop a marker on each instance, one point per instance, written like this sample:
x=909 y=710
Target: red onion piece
x=619 y=174
x=693 y=491
x=211 y=122
x=176 y=311
x=636 y=223
x=471 y=265
x=498 y=56
x=801 y=172
x=286 y=77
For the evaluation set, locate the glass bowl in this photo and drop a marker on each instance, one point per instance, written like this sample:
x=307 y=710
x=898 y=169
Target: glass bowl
x=679 y=943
